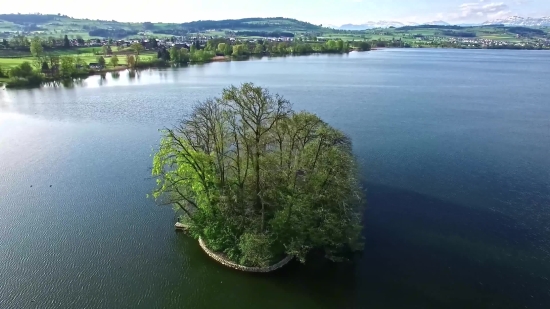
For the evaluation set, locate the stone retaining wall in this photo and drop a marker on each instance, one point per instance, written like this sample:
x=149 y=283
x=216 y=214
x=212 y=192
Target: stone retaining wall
x=236 y=266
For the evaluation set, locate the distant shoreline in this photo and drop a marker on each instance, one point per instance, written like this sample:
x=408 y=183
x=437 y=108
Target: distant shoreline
x=4 y=81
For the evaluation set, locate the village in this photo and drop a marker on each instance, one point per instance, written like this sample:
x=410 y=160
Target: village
x=177 y=41
x=427 y=41
x=478 y=43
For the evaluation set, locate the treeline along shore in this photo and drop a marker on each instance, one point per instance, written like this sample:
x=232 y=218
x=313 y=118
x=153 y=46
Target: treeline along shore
x=30 y=62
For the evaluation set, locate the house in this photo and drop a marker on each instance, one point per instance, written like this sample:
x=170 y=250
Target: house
x=95 y=66
x=181 y=45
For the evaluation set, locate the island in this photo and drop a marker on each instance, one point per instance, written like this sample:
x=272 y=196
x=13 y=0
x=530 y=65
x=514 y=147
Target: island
x=258 y=184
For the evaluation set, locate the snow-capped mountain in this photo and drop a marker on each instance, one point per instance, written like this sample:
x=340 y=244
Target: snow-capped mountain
x=510 y=21
x=376 y=24
x=521 y=21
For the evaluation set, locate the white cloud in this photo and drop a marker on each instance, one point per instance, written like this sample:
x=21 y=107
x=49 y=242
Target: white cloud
x=478 y=11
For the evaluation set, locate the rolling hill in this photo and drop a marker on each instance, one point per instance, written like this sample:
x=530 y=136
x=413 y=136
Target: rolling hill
x=39 y=24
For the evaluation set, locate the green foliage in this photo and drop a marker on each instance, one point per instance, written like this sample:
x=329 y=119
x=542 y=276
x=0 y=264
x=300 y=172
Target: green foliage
x=336 y=46
x=34 y=81
x=131 y=61
x=201 y=55
x=151 y=62
x=210 y=46
x=331 y=45
x=238 y=50
x=24 y=76
x=228 y=50
x=255 y=249
x=67 y=66
x=137 y=48
x=363 y=46
x=221 y=48
x=36 y=47
x=114 y=60
x=296 y=48
x=257 y=181
x=101 y=61
x=258 y=49
x=184 y=55
x=19 y=41
x=106 y=50
x=24 y=70
x=175 y=54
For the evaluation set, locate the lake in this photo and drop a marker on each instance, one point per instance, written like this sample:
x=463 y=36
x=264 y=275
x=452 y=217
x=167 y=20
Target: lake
x=454 y=147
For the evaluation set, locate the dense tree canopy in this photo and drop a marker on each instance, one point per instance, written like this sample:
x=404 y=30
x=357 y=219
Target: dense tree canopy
x=137 y=48
x=257 y=181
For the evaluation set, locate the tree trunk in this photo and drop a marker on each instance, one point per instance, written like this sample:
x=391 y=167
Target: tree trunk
x=257 y=170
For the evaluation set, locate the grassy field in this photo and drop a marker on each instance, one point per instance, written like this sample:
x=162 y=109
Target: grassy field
x=500 y=37
x=8 y=63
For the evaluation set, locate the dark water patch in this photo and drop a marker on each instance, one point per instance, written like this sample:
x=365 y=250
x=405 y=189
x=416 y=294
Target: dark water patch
x=438 y=243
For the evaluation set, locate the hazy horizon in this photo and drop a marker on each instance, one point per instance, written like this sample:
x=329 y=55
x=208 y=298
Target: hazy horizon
x=325 y=12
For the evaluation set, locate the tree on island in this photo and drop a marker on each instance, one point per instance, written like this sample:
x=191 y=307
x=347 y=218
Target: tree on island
x=257 y=181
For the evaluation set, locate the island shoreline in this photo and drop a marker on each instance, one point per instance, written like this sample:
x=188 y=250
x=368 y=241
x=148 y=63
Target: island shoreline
x=226 y=262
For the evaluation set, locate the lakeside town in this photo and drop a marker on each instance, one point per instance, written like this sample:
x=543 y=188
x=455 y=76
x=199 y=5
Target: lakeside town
x=482 y=43
x=200 y=41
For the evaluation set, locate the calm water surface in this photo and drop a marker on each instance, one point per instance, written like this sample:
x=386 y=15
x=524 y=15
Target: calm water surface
x=454 y=147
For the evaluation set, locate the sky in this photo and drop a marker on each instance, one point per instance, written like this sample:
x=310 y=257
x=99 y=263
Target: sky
x=326 y=12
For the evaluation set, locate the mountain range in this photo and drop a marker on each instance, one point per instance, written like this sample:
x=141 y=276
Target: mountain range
x=386 y=24
x=511 y=21
x=521 y=21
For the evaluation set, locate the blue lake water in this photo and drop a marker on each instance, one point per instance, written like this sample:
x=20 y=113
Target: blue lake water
x=454 y=147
